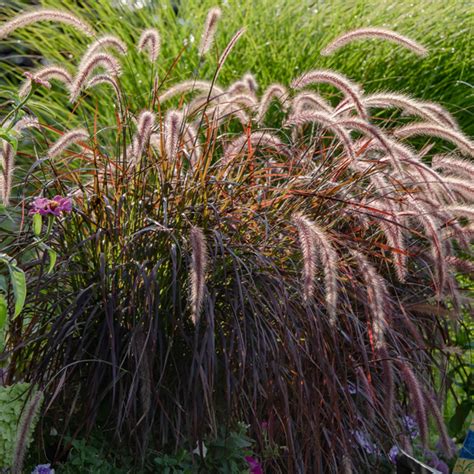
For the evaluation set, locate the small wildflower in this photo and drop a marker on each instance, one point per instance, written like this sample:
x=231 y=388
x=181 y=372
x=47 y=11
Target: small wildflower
x=43 y=469
x=393 y=454
x=54 y=207
x=255 y=466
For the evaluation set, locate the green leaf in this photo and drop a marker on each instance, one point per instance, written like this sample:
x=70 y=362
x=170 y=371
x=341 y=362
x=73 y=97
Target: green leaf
x=3 y=320
x=37 y=223
x=52 y=259
x=456 y=422
x=19 y=288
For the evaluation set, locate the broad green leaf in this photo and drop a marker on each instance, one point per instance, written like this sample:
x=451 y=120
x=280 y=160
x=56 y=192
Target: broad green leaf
x=37 y=222
x=19 y=288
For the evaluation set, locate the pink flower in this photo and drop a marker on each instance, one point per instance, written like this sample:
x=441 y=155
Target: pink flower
x=54 y=207
x=255 y=467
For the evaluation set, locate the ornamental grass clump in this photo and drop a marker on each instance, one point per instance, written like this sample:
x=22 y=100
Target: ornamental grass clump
x=214 y=269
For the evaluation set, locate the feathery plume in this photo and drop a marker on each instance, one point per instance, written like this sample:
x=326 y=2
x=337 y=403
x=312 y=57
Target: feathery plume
x=314 y=241
x=406 y=103
x=59 y=16
x=457 y=166
x=416 y=395
x=103 y=60
x=446 y=442
x=460 y=210
x=440 y=131
x=381 y=33
x=311 y=99
x=186 y=87
x=106 y=41
x=46 y=74
x=197 y=271
x=6 y=176
x=377 y=297
x=246 y=85
x=25 y=427
x=192 y=144
x=68 y=139
x=328 y=122
x=463 y=188
x=255 y=139
x=388 y=381
x=106 y=79
x=210 y=27
x=228 y=49
x=349 y=89
x=145 y=124
x=173 y=123
x=443 y=115
x=273 y=92
x=150 y=40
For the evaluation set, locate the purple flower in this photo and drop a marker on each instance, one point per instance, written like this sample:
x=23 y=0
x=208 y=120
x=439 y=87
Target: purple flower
x=351 y=388
x=255 y=467
x=363 y=441
x=393 y=453
x=441 y=466
x=53 y=207
x=411 y=426
x=43 y=469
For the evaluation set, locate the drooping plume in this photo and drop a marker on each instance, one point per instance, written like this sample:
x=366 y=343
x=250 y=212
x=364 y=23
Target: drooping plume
x=187 y=87
x=440 y=131
x=454 y=165
x=68 y=139
x=210 y=27
x=348 y=88
x=197 y=271
x=273 y=92
x=25 y=427
x=46 y=74
x=145 y=124
x=58 y=16
x=315 y=242
x=173 y=123
x=6 y=175
x=380 y=33
x=228 y=49
x=150 y=41
x=107 y=41
x=103 y=60
x=377 y=297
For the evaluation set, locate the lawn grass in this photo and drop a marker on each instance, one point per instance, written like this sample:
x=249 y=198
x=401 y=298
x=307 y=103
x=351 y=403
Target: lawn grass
x=283 y=39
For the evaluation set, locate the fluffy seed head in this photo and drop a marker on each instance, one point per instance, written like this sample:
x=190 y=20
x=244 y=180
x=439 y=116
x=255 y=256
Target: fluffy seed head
x=28 y=18
x=380 y=33
x=273 y=92
x=68 y=139
x=107 y=41
x=210 y=27
x=46 y=74
x=150 y=40
x=198 y=269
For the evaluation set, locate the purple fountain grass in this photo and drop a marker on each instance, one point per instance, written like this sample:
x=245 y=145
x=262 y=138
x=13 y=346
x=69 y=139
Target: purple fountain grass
x=321 y=246
x=379 y=33
x=246 y=85
x=45 y=74
x=328 y=122
x=6 y=175
x=58 y=16
x=311 y=99
x=406 y=103
x=173 y=125
x=348 y=88
x=377 y=297
x=273 y=92
x=439 y=131
x=228 y=49
x=417 y=399
x=150 y=41
x=69 y=138
x=443 y=115
x=107 y=79
x=145 y=124
x=453 y=164
x=199 y=261
x=209 y=31
x=25 y=426
x=104 y=42
x=102 y=60
x=187 y=87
